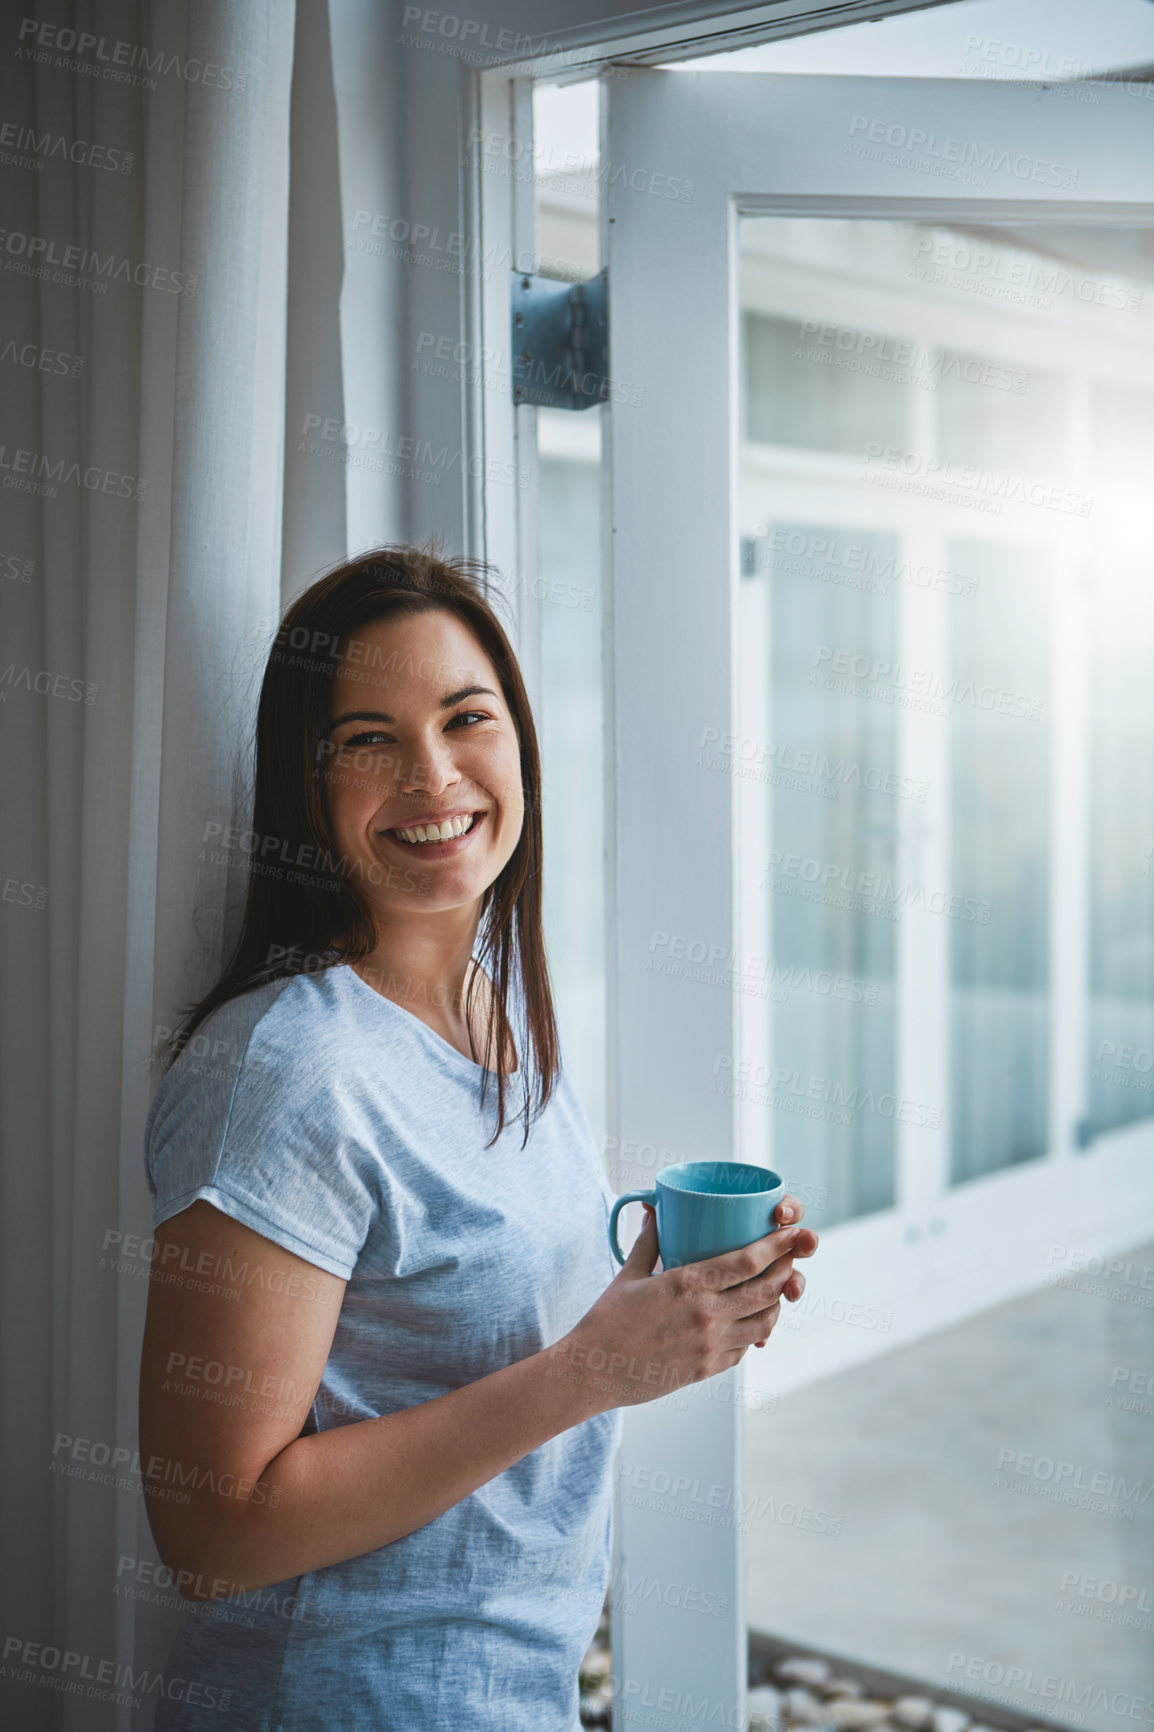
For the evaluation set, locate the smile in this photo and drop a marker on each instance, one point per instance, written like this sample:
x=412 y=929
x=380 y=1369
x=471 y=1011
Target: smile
x=440 y=836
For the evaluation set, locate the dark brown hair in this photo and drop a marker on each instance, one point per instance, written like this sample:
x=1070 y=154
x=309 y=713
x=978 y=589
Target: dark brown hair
x=317 y=918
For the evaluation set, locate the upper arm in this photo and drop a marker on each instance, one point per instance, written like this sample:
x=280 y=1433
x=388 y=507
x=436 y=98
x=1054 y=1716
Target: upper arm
x=236 y=1336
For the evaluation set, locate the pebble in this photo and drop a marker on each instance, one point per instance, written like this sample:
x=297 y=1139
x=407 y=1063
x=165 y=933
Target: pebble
x=851 y=1714
x=800 y=1671
x=846 y=1707
x=803 y=1707
x=765 y=1698
x=843 y=1687
x=912 y=1711
x=764 y=1704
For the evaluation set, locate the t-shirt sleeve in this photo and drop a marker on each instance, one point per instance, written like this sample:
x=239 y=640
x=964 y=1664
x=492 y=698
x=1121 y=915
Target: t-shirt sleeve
x=271 y=1143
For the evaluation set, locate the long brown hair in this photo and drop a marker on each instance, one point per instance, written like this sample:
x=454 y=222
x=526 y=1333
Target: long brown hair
x=318 y=918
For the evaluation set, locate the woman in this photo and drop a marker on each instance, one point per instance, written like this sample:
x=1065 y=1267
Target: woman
x=375 y=1454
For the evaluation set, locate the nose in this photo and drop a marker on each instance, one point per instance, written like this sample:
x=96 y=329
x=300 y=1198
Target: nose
x=432 y=769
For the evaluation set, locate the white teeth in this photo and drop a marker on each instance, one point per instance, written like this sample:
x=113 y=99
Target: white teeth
x=437 y=833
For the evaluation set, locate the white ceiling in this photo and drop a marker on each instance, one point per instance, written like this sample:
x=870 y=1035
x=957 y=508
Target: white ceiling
x=971 y=38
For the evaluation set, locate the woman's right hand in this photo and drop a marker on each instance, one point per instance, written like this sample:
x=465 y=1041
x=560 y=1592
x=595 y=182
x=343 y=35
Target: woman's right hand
x=650 y=1334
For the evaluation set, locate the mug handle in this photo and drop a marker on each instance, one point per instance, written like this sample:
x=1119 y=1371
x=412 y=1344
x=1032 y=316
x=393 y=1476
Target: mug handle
x=649 y=1197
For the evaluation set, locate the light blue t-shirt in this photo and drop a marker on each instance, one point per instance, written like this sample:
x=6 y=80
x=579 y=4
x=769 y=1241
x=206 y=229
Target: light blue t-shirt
x=338 y=1124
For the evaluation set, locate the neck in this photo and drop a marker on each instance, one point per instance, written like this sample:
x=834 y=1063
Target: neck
x=425 y=962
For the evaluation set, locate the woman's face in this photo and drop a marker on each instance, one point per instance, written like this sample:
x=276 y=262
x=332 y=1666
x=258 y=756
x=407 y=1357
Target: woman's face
x=419 y=732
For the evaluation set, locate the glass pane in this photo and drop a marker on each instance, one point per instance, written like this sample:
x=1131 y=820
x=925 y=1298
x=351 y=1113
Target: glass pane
x=831 y=861
x=1000 y=829
x=1120 y=1023
x=802 y=391
x=1123 y=437
x=946 y=653
x=1009 y=417
x=569 y=716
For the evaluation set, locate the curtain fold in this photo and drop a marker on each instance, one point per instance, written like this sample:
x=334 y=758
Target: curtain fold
x=143 y=276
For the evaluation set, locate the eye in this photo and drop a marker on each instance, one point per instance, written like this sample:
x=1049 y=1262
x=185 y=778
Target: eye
x=375 y=737
x=355 y=740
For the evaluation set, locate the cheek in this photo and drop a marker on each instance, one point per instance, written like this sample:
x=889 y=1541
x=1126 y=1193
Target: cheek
x=512 y=811
x=506 y=782
x=350 y=795
x=512 y=804
x=487 y=774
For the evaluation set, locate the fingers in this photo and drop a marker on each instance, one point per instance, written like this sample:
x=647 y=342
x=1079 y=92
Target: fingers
x=643 y=1254
x=789 y=1211
x=793 y=1290
x=733 y=1267
x=755 y=1331
x=780 y=1280
x=753 y=1262
x=751 y=1298
x=756 y=1334
x=801 y=1242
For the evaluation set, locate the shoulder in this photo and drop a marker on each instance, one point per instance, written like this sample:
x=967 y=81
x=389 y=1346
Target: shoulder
x=257 y=1116
x=273 y=1050
x=301 y=1034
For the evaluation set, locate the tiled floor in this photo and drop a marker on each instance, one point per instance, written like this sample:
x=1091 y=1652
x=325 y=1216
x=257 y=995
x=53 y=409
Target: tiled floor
x=942 y=1552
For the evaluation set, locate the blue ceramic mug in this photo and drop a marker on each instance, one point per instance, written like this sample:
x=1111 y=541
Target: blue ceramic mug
x=705 y=1208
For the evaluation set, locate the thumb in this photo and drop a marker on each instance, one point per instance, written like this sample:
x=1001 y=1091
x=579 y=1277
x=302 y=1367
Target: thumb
x=644 y=1254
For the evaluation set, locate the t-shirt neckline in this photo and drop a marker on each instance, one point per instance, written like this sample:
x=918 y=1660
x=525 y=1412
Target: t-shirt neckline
x=443 y=1045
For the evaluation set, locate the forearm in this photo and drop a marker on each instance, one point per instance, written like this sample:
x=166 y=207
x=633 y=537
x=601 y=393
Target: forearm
x=337 y=1494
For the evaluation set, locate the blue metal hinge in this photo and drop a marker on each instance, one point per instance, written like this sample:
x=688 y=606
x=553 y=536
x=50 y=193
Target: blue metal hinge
x=560 y=341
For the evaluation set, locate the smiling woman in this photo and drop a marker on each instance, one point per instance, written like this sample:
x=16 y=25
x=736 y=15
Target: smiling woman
x=365 y=730
x=371 y=1421
x=460 y=810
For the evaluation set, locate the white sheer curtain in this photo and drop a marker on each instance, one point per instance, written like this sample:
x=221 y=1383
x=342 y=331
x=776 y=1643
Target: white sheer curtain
x=133 y=629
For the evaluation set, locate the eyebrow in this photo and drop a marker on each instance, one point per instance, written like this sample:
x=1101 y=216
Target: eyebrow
x=446 y=703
